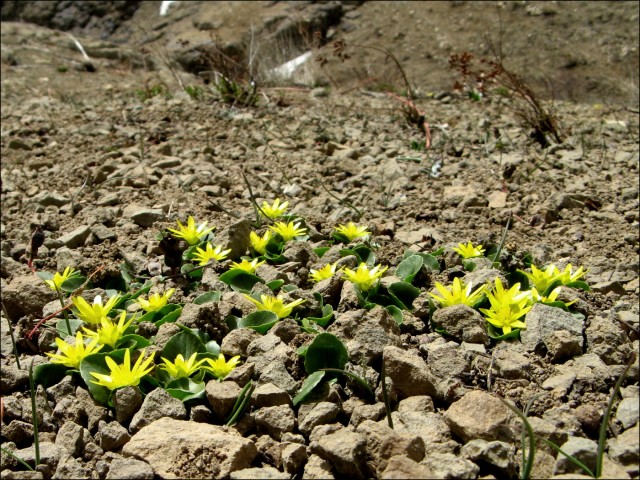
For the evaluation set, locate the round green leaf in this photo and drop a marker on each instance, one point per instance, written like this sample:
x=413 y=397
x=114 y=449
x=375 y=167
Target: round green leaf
x=48 y=374
x=409 y=268
x=404 y=294
x=186 y=343
x=325 y=351
x=239 y=280
x=260 y=321
x=208 y=297
x=72 y=284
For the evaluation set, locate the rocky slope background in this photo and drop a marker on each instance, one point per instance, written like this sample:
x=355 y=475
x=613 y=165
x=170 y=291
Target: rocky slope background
x=113 y=129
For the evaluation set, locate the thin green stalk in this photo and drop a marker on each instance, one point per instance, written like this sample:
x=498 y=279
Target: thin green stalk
x=64 y=311
x=255 y=203
x=528 y=465
x=385 y=395
x=496 y=256
x=34 y=415
x=572 y=459
x=241 y=403
x=602 y=438
x=25 y=464
x=13 y=338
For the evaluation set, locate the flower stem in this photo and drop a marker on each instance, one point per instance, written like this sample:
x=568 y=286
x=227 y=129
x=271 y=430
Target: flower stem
x=64 y=311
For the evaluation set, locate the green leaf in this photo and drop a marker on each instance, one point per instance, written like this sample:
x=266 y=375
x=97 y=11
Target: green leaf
x=191 y=270
x=241 y=403
x=438 y=252
x=320 y=251
x=396 y=313
x=579 y=284
x=45 y=275
x=132 y=341
x=48 y=374
x=404 y=294
x=72 y=284
x=302 y=351
x=185 y=343
x=212 y=347
x=97 y=363
x=494 y=334
x=185 y=389
x=239 y=280
x=558 y=304
x=363 y=253
x=260 y=321
x=61 y=327
x=340 y=238
x=325 y=351
x=311 y=382
x=289 y=288
x=208 y=297
x=469 y=265
x=327 y=315
x=169 y=317
x=275 y=284
x=158 y=314
x=409 y=268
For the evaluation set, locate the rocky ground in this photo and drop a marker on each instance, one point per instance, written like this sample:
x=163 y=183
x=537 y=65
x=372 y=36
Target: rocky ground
x=105 y=153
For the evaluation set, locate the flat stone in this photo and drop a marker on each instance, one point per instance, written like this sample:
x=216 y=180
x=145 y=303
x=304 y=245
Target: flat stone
x=178 y=449
x=76 y=238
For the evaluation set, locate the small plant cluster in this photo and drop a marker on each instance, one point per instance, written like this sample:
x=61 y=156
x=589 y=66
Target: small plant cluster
x=480 y=76
x=100 y=344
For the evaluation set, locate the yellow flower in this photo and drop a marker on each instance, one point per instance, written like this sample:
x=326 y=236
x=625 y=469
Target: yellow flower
x=276 y=210
x=124 y=375
x=288 y=230
x=180 y=368
x=56 y=282
x=536 y=297
x=274 y=304
x=221 y=368
x=205 y=256
x=191 y=233
x=363 y=277
x=258 y=243
x=505 y=317
x=72 y=355
x=499 y=296
x=246 y=265
x=541 y=279
x=352 y=231
x=94 y=313
x=567 y=277
x=156 y=301
x=109 y=332
x=325 y=272
x=468 y=250
x=459 y=293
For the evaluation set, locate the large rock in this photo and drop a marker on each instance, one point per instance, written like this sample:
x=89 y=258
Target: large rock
x=463 y=323
x=409 y=373
x=157 y=404
x=552 y=330
x=383 y=443
x=366 y=333
x=26 y=295
x=608 y=340
x=480 y=415
x=345 y=450
x=181 y=449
